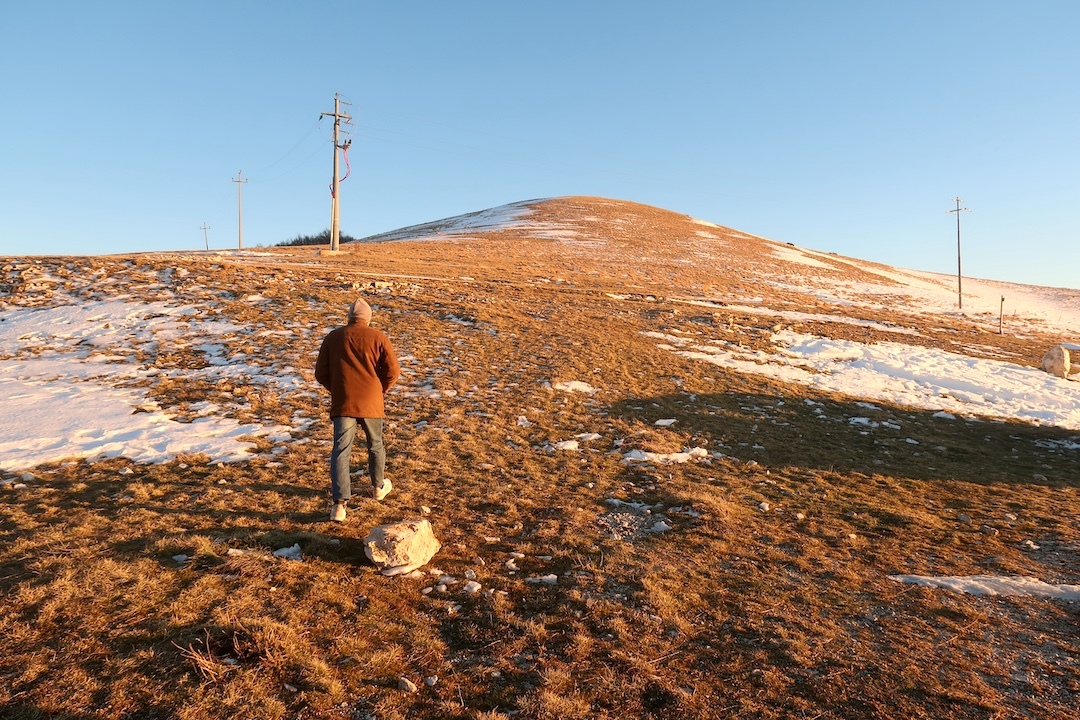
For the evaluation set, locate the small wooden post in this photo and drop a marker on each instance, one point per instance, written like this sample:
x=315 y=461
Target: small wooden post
x=1001 y=313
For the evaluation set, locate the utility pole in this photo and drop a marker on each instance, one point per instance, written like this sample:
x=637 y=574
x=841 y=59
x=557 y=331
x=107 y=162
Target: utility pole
x=959 y=281
x=206 y=237
x=335 y=205
x=240 y=210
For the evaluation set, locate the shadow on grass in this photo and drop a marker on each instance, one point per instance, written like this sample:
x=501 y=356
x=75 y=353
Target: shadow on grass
x=869 y=438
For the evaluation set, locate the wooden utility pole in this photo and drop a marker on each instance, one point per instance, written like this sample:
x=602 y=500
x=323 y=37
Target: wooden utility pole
x=335 y=205
x=240 y=210
x=959 y=281
x=206 y=237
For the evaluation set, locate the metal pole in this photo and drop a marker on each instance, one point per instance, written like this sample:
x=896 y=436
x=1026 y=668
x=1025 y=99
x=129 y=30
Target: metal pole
x=335 y=187
x=240 y=210
x=334 y=205
x=206 y=237
x=959 y=274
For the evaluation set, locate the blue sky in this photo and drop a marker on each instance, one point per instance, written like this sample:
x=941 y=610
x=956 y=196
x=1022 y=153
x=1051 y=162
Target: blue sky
x=838 y=126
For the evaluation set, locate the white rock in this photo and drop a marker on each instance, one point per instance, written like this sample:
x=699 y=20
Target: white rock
x=409 y=543
x=510 y=565
x=472 y=587
x=517 y=555
x=431 y=680
x=568 y=445
x=290 y=553
x=763 y=506
x=544 y=580
x=470 y=575
x=660 y=526
x=180 y=559
x=28 y=477
x=1056 y=361
x=665 y=422
x=235 y=551
x=407 y=685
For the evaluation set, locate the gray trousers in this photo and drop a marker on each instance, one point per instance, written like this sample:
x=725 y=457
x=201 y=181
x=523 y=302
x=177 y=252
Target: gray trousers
x=344 y=432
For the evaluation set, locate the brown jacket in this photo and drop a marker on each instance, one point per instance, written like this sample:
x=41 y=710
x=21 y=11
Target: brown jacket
x=357 y=365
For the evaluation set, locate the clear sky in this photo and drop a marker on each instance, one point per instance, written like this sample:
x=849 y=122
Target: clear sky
x=843 y=126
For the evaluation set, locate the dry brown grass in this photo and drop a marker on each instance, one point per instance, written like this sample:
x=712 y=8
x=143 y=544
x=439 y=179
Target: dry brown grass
x=734 y=613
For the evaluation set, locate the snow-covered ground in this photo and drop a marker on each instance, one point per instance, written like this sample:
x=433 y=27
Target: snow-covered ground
x=73 y=385
x=905 y=375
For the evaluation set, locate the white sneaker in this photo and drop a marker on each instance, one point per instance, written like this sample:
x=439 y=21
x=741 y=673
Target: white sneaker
x=338 y=512
x=382 y=492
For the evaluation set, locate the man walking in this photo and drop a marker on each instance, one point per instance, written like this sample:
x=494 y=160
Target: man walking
x=358 y=366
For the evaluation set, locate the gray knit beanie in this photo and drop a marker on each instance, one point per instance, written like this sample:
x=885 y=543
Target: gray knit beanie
x=360 y=310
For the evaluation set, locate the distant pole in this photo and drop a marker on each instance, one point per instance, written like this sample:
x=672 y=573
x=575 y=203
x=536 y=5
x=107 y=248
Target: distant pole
x=1001 y=314
x=959 y=276
x=239 y=210
x=335 y=204
x=206 y=237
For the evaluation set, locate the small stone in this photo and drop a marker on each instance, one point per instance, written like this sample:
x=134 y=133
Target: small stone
x=1010 y=517
x=235 y=551
x=180 y=559
x=544 y=580
x=988 y=530
x=470 y=575
x=431 y=680
x=1030 y=545
x=964 y=518
x=425 y=510
x=1038 y=478
x=427 y=590
x=407 y=685
x=763 y=506
x=472 y=587
x=510 y=565
x=800 y=517
x=28 y=477
x=290 y=688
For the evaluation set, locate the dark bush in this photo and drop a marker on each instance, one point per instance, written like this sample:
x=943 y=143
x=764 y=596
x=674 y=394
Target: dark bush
x=322 y=238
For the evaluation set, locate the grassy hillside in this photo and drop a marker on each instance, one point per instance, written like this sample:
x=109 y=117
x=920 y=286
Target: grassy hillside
x=768 y=597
